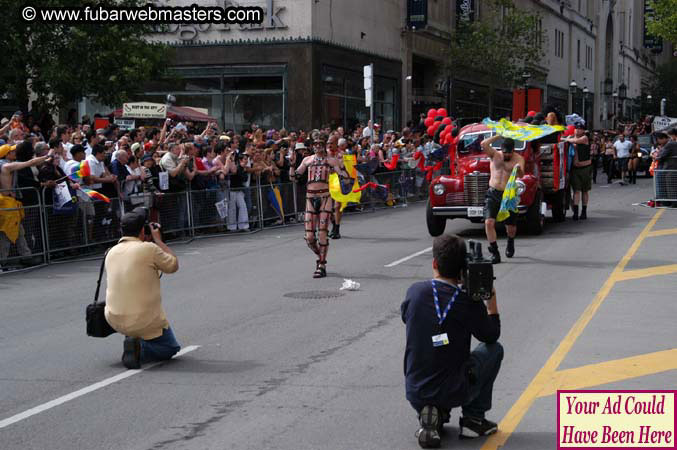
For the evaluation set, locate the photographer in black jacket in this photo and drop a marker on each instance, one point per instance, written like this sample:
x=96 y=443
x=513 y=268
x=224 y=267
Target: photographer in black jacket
x=440 y=370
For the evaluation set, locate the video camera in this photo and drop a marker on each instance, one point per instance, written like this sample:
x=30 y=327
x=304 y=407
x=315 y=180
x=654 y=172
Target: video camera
x=478 y=275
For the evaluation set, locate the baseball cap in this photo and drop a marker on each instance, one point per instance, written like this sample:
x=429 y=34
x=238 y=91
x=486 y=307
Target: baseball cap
x=135 y=147
x=6 y=149
x=100 y=131
x=145 y=158
x=132 y=222
x=300 y=146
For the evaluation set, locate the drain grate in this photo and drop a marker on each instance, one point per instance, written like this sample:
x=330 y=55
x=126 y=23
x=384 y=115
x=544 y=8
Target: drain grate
x=314 y=295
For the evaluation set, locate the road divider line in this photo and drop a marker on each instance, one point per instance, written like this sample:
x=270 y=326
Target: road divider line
x=519 y=409
x=407 y=258
x=654 y=271
x=667 y=232
x=86 y=390
x=611 y=371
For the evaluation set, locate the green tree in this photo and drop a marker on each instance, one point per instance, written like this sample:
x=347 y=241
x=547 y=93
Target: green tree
x=663 y=22
x=501 y=45
x=62 y=63
x=665 y=86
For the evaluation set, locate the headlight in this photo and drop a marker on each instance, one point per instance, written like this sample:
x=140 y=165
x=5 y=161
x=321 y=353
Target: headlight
x=438 y=189
x=546 y=149
x=521 y=187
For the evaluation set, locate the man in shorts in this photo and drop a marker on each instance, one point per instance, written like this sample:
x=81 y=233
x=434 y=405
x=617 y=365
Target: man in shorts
x=502 y=163
x=623 y=148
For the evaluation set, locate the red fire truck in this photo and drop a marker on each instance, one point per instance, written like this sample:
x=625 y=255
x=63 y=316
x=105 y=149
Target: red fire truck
x=461 y=194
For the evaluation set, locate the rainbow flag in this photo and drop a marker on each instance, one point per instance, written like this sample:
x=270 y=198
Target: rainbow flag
x=95 y=195
x=521 y=132
x=81 y=172
x=510 y=199
x=350 y=163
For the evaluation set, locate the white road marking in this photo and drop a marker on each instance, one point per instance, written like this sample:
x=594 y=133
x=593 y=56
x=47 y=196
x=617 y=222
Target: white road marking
x=407 y=258
x=86 y=390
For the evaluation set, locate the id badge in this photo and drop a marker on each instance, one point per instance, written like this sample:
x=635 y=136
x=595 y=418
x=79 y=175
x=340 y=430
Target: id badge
x=440 y=340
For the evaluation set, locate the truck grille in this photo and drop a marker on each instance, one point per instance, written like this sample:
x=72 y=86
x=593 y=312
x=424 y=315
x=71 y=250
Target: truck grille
x=475 y=188
x=455 y=199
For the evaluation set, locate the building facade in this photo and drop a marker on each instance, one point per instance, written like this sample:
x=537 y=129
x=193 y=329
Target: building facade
x=302 y=68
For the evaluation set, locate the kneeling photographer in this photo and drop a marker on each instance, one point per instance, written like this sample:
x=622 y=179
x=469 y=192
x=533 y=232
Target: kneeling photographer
x=133 y=297
x=440 y=370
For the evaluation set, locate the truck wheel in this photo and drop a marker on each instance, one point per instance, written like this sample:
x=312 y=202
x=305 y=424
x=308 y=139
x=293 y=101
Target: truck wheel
x=558 y=207
x=435 y=224
x=535 y=220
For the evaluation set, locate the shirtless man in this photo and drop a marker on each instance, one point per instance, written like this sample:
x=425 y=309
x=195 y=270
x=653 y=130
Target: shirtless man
x=319 y=205
x=502 y=163
x=8 y=168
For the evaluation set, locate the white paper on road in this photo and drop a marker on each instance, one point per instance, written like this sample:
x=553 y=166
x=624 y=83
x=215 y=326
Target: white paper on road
x=222 y=208
x=164 y=181
x=63 y=195
x=350 y=285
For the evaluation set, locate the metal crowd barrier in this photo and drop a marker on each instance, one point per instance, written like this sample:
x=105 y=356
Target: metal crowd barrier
x=46 y=234
x=665 y=187
x=22 y=230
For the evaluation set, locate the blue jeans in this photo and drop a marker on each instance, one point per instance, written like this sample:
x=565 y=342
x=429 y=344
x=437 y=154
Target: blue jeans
x=161 y=348
x=485 y=362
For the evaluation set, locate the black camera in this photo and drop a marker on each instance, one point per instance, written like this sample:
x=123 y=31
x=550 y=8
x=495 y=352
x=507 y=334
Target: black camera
x=479 y=274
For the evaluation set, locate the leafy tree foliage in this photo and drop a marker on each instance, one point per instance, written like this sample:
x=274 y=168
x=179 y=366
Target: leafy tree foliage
x=61 y=63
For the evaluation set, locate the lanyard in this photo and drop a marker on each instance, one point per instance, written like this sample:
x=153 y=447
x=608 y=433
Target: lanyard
x=442 y=316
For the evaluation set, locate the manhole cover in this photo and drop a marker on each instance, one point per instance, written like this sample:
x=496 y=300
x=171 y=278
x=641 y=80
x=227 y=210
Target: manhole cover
x=314 y=295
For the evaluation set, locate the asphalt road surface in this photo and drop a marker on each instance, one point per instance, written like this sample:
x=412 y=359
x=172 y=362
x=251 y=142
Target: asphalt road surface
x=585 y=305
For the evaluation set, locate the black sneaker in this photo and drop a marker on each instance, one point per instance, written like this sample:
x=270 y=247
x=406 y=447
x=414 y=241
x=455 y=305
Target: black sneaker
x=495 y=255
x=431 y=420
x=472 y=428
x=131 y=356
x=510 y=249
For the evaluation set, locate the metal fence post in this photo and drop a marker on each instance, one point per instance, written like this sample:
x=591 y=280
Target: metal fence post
x=189 y=203
x=260 y=201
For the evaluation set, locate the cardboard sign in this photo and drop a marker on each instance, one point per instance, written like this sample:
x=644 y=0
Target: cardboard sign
x=663 y=123
x=63 y=195
x=222 y=209
x=144 y=110
x=125 y=124
x=163 y=178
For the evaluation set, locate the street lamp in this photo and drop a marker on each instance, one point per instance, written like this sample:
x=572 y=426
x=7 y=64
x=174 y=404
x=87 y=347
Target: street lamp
x=622 y=95
x=572 y=91
x=526 y=76
x=586 y=91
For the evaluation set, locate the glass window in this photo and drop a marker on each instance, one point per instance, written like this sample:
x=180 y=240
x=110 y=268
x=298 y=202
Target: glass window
x=241 y=110
x=333 y=110
x=252 y=83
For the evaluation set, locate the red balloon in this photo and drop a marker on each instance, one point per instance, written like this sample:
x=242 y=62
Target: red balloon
x=447 y=121
x=442 y=112
x=531 y=113
x=436 y=125
x=431 y=130
x=432 y=112
x=429 y=121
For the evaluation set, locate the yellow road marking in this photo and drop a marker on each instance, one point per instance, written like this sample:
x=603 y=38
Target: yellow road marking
x=611 y=371
x=514 y=416
x=667 y=232
x=648 y=272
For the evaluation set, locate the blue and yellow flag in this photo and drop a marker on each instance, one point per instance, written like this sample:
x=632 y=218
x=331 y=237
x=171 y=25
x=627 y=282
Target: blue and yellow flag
x=275 y=200
x=338 y=195
x=521 y=132
x=510 y=199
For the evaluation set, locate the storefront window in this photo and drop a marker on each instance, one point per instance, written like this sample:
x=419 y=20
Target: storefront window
x=234 y=97
x=343 y=99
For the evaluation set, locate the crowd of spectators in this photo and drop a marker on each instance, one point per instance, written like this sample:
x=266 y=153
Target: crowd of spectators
x=146 y=165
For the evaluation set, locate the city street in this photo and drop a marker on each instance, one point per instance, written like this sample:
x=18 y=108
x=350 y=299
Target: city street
x=276 y=360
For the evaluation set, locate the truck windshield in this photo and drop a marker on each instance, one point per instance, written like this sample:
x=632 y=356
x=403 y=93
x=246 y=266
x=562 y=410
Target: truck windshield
x=471 y=143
